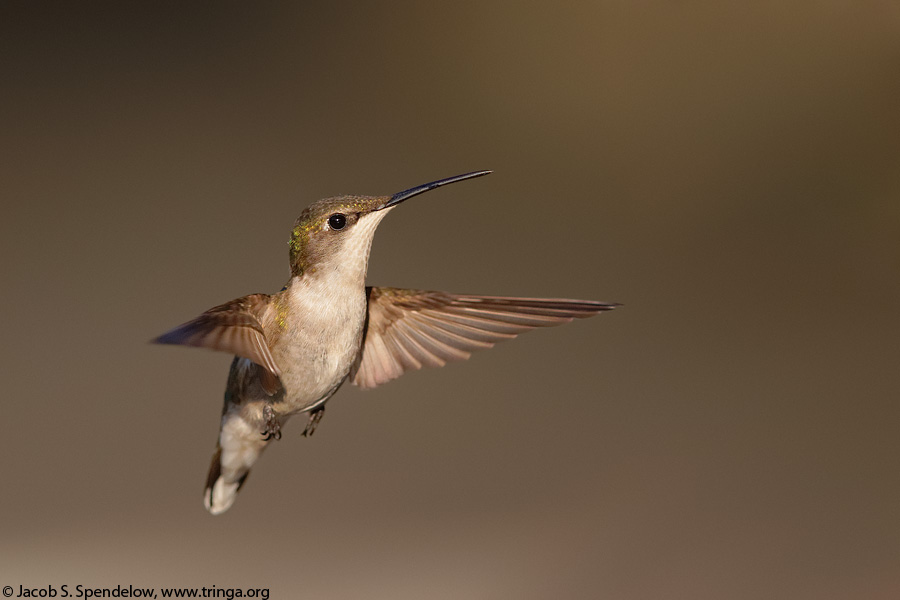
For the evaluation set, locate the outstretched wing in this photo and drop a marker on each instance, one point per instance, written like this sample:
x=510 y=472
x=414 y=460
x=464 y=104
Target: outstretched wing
x=411 y=329
x=233 y=327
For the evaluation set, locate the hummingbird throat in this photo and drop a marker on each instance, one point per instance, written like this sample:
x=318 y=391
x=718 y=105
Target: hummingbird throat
x=315 y=249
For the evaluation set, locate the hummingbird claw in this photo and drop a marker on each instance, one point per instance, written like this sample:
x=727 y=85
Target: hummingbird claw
x=273 y=427
x=314 y=417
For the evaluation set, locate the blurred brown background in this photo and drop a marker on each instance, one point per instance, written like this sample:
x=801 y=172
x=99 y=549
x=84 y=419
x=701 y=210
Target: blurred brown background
x=728 y=171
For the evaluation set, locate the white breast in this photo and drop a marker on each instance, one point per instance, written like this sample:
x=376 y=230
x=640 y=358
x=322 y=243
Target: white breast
x=321 y=341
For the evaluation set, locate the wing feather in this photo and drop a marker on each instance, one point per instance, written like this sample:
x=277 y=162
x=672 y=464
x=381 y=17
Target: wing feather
x=233 y=327
x=409 y=329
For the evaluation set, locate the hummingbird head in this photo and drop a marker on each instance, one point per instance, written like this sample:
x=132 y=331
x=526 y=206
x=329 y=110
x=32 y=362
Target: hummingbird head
x=335 y=234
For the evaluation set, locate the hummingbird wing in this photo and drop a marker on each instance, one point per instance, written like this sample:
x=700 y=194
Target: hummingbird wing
x=233 y=327
x=409 y=329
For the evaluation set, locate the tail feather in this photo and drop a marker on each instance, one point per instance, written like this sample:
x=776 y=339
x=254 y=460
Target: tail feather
x=240 y=445
x=221 y=492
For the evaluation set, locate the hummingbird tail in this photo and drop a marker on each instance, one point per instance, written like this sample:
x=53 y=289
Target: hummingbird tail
x=239 y=448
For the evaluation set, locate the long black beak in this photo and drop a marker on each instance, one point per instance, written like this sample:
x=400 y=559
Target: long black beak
x=419 y=189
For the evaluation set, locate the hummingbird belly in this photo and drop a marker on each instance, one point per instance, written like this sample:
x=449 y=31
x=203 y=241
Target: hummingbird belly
x=316 y=350
x=312 y=377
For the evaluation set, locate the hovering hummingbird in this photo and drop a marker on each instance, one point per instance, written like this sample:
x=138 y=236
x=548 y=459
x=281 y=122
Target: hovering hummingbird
x=295 y=348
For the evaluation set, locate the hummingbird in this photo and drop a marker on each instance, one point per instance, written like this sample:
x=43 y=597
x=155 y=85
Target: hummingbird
x=295 y=348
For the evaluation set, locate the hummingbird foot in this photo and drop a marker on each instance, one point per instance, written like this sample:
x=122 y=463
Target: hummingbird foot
x=273 y=427
x=314 y=417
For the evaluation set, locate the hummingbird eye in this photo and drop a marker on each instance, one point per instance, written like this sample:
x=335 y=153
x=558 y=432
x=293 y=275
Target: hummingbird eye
x=337 y=221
